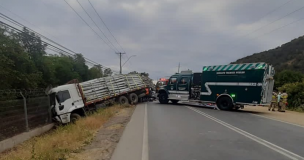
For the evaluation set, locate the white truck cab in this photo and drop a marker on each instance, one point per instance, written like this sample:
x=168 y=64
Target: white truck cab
x=64 y=101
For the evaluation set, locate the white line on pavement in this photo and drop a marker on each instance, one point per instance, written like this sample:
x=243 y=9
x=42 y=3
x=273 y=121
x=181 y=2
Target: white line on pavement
x=145 y=146
x=272 y=146
x=278 y=120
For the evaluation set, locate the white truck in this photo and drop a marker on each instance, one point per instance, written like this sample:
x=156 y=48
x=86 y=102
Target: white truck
x=73 y=100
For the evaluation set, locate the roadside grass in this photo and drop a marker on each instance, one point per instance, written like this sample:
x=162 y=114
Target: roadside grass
x=59 y=143
x=298 y=109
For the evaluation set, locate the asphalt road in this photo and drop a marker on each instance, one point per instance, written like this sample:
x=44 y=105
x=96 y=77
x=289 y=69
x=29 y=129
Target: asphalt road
x=182 y=132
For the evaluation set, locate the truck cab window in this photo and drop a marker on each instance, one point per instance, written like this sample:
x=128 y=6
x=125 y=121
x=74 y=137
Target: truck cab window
x=173 y=80
x=63 y=96
x=183 y=80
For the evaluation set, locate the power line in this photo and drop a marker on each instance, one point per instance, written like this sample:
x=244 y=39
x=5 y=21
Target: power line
x=106 y=27
x=96 y=25
x=24 y=20
x=295 y=21
x=109 y=30
x=62 y=51
x=88 y=25
x=275 y=9
x=274 y=21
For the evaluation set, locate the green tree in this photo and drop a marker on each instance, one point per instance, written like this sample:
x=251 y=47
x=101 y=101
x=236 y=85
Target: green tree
x=95 y=72
x=286 y=77
x=108 y=72
x=80 y=67
x=17 y=68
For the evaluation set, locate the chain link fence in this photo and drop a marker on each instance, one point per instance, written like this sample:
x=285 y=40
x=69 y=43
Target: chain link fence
x=22 y=110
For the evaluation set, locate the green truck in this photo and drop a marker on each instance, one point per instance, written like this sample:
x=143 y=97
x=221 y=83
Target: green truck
x=228 y=86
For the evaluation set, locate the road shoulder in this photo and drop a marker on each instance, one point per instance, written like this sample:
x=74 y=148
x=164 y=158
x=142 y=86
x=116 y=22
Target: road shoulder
x=130 y=145
x=291 y=117
x=107 y=138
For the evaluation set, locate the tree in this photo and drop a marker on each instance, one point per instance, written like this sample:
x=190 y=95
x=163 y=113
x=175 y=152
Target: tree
x=287 y=76
x=24 y=63
x=133 y=72
x=108 y=72
x=17 y=69
x=95 y=72
x=80 y=67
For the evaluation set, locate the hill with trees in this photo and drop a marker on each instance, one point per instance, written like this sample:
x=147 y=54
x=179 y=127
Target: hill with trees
x=288 y=61
x=289 y=56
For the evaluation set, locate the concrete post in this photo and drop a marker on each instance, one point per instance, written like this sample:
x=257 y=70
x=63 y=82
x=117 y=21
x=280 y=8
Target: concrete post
x=25 y=112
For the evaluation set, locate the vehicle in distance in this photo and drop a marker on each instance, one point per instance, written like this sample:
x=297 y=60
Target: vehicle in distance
x=161 y=83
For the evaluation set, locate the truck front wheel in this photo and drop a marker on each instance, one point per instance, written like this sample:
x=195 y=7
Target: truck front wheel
x=224 y=103
x=163 y=98
x=74 y=117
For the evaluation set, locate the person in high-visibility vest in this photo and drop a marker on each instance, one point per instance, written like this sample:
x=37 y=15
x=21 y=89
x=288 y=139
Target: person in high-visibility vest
x=283 y=101
x=279 y=101
x=274 y=102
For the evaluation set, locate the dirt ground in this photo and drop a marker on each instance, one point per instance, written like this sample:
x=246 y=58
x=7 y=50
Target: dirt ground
x=106 y=139
x=288 y=116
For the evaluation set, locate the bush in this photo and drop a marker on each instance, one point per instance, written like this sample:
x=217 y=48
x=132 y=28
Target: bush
x=295 y=93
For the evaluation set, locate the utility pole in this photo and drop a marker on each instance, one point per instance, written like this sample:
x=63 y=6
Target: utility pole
x=120 y=71
x=178 y=67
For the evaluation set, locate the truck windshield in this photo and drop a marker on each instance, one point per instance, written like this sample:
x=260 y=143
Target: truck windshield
x=52 y=99
x=62 y=96
x=161 y=83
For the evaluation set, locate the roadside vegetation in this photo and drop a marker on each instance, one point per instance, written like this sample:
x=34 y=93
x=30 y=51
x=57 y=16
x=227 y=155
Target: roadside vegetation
x=62 y=141
x=293 y=83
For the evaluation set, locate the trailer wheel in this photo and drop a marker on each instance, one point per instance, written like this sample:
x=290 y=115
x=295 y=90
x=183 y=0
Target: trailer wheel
x=74 y=117
x=224 y=103
x=133 y=98
x=163 y=98
x=123 y=100
x=174 y=101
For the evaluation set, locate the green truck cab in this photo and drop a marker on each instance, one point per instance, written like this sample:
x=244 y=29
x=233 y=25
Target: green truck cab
x=228 y=86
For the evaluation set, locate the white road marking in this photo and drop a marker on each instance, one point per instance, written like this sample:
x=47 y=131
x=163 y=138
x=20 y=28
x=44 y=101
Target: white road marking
x=272 y=146
x=278 y=120
x=145 y=146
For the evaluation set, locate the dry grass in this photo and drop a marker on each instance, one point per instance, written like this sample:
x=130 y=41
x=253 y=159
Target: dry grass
x=58 y=144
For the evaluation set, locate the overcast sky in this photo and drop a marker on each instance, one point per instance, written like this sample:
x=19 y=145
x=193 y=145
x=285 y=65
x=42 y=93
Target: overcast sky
x=162 y=33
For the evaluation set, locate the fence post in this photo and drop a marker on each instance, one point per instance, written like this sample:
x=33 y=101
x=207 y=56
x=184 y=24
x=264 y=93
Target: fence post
x=25 y=112
x=50 y=109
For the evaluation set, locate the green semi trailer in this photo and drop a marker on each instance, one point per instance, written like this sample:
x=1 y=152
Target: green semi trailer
x=228 y=86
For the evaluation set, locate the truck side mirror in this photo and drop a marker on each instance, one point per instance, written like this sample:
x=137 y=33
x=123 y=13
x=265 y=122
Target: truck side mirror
x=61 y=107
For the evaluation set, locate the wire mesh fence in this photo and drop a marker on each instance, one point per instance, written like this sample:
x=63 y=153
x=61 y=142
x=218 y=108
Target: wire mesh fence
x=22 y=110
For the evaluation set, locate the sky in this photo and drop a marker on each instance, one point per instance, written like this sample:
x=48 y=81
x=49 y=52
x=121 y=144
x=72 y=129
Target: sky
x=163 y=33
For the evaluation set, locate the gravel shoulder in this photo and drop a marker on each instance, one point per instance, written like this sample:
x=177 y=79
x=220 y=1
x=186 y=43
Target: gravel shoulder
x=288 y=116
x=106 y=138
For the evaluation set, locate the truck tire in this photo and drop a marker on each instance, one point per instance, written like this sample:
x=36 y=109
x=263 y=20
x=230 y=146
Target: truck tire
x=163 y=98
x=123 y=100
x=74 y=117
x=133 y=98
x=174 y=101
x=224 y=103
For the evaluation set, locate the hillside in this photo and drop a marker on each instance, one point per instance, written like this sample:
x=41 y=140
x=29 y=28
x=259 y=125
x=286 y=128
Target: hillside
x=287 y=56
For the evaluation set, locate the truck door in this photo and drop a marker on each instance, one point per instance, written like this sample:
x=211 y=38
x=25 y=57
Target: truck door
x=172 y=85
x=64 y=103
x=183 y=85
x=183 y=88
